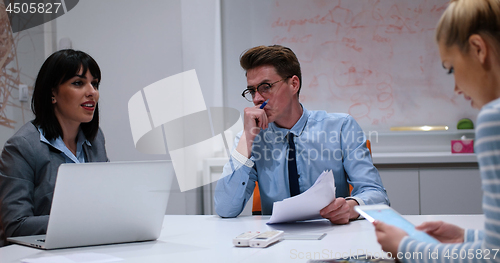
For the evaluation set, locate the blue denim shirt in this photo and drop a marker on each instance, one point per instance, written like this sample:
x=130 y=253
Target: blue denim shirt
x=323 y=141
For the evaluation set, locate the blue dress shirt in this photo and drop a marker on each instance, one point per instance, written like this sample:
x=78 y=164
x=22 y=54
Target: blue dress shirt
x=69 y=157
x=323 y=141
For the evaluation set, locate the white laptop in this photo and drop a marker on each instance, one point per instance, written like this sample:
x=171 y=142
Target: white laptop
x=106 y=203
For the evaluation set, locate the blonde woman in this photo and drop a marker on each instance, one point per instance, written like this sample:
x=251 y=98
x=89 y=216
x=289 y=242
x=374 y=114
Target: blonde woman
x=468 y=35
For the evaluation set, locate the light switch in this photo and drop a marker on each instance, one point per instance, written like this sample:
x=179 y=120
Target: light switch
x=23 y=93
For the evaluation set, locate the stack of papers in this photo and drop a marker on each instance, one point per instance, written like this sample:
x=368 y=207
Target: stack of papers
x=308 y=204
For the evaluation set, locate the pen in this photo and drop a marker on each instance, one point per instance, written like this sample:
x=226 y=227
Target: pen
x=264 y=104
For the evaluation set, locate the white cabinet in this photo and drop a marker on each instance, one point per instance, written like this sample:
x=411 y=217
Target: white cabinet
x=450 y=191
x=402 y=188
x=433 y=189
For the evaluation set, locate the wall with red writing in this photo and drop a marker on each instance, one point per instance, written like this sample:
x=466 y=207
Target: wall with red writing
x=376 y=60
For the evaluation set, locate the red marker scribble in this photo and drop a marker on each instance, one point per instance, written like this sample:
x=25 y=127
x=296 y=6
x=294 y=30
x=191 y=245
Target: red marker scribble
x=359 y=111
x=335 y=16
x=291 y=39
x=366 y=58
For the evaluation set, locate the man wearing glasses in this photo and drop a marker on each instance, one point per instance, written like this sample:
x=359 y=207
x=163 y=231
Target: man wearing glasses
x=285 y=147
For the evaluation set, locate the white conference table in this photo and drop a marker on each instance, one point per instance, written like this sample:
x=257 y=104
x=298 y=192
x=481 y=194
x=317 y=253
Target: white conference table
x=208 y=238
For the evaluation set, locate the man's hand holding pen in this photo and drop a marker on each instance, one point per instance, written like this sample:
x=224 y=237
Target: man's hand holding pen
x=255 y=119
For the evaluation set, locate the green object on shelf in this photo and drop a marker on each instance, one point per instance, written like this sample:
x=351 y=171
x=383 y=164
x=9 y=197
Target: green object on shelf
x=465 y=124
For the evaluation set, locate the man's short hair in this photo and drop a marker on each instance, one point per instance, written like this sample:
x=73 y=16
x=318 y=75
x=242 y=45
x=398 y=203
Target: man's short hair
x=281 y=58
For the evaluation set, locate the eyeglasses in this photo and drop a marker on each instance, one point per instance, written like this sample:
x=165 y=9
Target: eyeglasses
x=262 y=88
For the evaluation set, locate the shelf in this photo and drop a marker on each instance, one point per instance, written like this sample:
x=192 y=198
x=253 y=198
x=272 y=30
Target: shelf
x=395 y=158
x=424 y=133
x=423 y=158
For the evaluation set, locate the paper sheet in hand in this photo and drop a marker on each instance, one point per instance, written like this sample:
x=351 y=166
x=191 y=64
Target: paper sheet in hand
x=308 y=204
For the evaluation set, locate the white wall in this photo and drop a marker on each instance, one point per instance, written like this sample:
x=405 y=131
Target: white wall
x=236 y=17
x=135 y=45
x=201 y=46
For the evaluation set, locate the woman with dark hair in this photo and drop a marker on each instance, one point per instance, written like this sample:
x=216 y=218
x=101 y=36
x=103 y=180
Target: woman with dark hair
x=65 y=130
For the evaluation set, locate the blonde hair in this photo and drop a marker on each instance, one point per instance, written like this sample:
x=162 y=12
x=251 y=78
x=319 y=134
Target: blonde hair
x=464 y=18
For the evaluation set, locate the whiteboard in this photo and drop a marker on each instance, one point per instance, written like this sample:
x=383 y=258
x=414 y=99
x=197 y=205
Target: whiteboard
x=376 y=60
